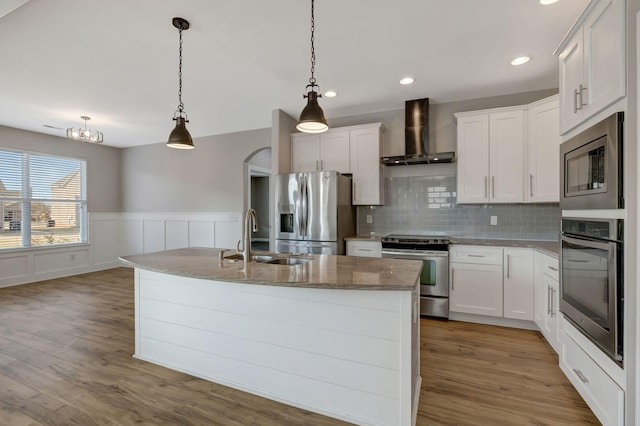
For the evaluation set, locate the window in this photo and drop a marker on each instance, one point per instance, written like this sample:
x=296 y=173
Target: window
x=43 y=200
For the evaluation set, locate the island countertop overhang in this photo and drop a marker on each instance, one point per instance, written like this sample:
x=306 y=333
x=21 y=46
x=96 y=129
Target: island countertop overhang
x=324 y=271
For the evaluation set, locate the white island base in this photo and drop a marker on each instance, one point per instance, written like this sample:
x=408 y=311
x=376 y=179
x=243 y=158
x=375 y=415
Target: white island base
x=349 y=354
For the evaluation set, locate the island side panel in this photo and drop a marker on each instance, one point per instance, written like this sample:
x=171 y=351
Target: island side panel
x=336 y=352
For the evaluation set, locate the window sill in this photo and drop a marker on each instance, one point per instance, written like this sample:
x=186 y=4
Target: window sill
x=52 y=247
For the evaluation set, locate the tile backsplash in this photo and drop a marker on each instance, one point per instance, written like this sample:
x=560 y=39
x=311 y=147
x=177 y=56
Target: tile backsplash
x=426 y=205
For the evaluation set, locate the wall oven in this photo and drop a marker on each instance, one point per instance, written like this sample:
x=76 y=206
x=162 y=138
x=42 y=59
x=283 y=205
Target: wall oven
x=434 y=279
x=591 y=280
x=591 y=167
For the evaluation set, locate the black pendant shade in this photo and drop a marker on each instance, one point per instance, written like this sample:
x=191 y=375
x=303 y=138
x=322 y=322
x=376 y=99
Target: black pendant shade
x=312 y=117
x=180 y=137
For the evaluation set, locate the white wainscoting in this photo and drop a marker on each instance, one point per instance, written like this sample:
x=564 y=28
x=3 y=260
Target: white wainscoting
x=119 y=234
x=151 y=232
x=43 y=263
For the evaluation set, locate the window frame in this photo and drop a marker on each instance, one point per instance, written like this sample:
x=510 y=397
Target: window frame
x=81 y=204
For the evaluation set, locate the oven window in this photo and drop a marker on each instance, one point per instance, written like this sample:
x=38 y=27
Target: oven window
x=428 y=276
x=585 y=281
x=585 y=169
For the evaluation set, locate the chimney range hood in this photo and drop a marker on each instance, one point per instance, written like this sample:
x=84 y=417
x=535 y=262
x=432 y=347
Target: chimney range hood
x=416 y=138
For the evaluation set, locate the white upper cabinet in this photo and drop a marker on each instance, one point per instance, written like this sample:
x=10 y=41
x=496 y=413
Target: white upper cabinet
x=542 y=180
x=366 y=146
x=490 y=156
x=473 y=159
x=592 y=63
x=354 y=150
x=315 y=152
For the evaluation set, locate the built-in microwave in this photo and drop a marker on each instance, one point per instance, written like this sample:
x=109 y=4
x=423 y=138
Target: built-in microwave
x=591 y=280
x=591 y=167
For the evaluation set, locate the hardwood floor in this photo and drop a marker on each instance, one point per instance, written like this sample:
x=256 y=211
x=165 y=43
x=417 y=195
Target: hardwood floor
x=65 y=359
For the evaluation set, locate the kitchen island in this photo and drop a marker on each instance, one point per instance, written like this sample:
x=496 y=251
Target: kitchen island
x=337 y=335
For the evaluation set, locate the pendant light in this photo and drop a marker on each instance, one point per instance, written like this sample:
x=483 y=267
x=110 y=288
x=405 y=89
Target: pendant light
x=312 y=118
x=180 y=137
x=84 y=135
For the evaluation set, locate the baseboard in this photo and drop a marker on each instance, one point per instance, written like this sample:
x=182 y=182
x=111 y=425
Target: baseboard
x=59 y=274
x=502 y=322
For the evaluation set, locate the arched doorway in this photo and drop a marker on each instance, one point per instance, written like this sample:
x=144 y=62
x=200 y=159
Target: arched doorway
x=257 y=195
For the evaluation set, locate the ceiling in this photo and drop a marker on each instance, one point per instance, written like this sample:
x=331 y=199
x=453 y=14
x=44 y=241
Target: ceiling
x=117 y=61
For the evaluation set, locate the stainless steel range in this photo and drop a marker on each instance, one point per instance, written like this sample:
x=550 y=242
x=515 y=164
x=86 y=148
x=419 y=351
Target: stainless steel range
x=433 y=251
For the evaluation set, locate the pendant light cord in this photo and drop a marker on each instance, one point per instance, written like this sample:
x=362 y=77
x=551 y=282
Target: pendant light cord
x=312 y=80
x=180 y=104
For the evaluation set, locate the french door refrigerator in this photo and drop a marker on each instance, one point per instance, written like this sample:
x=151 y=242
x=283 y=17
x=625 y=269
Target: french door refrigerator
x=313 y=212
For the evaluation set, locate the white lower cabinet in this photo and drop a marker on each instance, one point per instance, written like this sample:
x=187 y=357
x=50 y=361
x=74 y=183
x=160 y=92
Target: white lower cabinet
x=518 y=283
x=547 y=298
x=475 y=280
x=600 y=392
x=364 y=248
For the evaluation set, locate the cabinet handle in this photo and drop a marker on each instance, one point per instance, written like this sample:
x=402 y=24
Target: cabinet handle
x=583 y=91
x=581 y=376
x=552 y=268
x=317 y=166
x=553 y=308
x=549 y=300
x=486 y=195
x=475 y=255
x=531 y=185
x=453 y=285
x=321 y=164
x=575 y=101
x=493 y=186
x=508 y=266
x=362 y=249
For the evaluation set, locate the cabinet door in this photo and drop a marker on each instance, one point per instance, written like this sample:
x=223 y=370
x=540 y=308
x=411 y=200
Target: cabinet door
x=475 y=289
x=551 y=325
x=305 y=153
x=518 y=284
x=540 y=293
x=571 y=77
x=473 y=159
x=334 y=151
x=365 y=166
x=604 y=55
x=542 y=181
x=506 y=147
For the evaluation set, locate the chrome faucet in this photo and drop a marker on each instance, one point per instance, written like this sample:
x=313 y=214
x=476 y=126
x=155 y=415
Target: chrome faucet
x=246 y=251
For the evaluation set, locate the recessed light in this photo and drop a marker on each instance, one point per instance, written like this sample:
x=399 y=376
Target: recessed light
x=331 y=94
x=407 y=80
x=520 y=60
x=545 y=2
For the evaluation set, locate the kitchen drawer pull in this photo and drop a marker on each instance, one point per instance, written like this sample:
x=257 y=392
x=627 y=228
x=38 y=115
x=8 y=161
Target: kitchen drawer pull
x=475 y=255
x=577 y=261
x=553 y=268
x=581 y=376
x=363 y=249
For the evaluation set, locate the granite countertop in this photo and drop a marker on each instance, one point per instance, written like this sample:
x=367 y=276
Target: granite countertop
x=324 y=271
x=552 y=248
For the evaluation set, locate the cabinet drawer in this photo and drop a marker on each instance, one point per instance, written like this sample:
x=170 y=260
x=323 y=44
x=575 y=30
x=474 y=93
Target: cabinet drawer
x=363 y=248
x=476 y=255
x=550 y=267
x=600 y=392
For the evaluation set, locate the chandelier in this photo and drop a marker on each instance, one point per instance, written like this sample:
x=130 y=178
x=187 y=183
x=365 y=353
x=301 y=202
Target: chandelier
x=84 y=135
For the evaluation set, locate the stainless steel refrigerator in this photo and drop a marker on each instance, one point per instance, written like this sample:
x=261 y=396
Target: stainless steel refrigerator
x=313 y=212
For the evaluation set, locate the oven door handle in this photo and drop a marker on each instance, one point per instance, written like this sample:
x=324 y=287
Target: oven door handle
x=416 y=254
x=588 y=242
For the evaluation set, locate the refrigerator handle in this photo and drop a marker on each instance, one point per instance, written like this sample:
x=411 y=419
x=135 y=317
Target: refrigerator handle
x=303 y=207
x=306 y=209
x=299 y=205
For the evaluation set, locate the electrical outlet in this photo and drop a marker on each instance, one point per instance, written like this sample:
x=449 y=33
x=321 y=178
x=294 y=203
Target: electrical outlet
x=369 y=218
x=494 y=220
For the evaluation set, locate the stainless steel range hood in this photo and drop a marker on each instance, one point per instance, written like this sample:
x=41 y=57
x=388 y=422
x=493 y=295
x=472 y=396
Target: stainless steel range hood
x=416 y=138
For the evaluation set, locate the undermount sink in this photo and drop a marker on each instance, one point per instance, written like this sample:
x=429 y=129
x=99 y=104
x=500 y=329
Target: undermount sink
x=288 y=261
x=280 y=259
